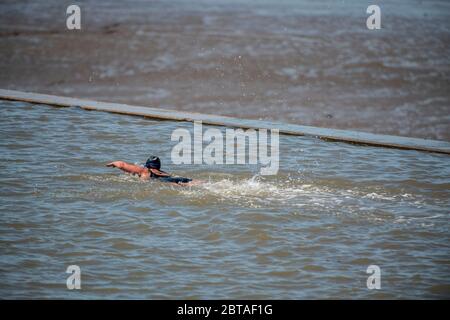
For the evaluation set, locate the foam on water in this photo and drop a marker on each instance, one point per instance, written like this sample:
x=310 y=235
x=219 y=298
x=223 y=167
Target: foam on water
x=261 y=192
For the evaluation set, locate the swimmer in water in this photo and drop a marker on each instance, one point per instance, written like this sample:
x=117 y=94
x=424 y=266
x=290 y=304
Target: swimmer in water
x=152 y=170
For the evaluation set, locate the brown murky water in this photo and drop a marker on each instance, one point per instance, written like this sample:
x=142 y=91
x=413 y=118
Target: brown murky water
x=309 y=232
x=304 y=62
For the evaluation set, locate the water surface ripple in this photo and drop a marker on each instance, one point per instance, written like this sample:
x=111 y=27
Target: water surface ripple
x=309 y=232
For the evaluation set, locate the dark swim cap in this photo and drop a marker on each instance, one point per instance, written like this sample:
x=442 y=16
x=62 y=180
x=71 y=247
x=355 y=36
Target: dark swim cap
x=153 y=163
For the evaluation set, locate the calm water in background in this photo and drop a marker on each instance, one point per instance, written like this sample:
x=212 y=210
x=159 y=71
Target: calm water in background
x=309 y=232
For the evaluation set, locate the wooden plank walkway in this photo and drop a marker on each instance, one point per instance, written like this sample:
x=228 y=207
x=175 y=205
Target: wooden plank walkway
x=285 y=128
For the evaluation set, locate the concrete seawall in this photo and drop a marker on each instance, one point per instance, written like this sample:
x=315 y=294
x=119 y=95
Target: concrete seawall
x=284 y=128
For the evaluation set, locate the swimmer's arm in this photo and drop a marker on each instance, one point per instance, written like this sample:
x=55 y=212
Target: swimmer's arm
x=159 y=173
x=127 y=167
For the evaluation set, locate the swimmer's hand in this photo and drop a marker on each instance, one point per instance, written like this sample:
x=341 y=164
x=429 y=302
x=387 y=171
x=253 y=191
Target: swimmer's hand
x=114 y=164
